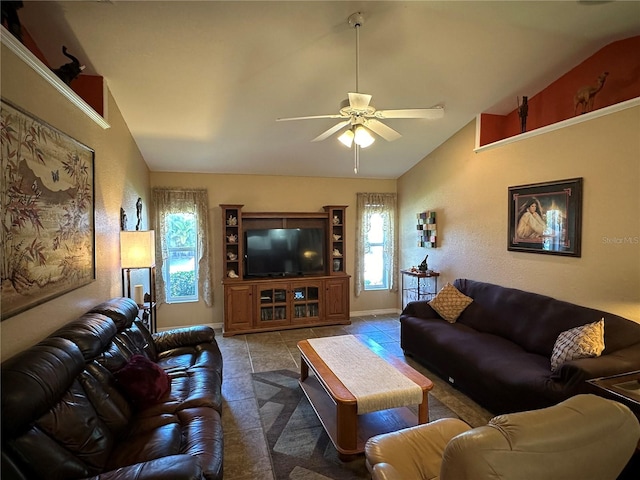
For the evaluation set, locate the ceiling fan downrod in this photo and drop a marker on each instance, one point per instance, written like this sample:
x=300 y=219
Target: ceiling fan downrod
x=356 y=20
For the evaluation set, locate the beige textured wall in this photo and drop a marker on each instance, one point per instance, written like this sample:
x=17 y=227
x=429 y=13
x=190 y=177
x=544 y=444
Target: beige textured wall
x=269 y=194
x=121 y=176
x=469 y=193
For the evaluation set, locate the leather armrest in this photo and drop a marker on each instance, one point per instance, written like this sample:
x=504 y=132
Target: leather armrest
x=173 y=467
x=384 y=471
x=420 y=309
x=183 y=337
x=414 y=452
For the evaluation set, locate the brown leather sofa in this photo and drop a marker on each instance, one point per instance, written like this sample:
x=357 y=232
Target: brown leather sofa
x=67 y=412
x=583 y=438
x=499 y=349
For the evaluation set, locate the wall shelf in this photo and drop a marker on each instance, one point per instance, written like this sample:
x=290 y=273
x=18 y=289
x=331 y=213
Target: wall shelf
x=634 y=102
x=13 y=44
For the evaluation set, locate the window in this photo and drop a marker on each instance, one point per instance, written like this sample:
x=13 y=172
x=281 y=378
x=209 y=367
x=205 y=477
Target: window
x=181 y=263
x=375 y=242
x=375 y=273
x=182 y=244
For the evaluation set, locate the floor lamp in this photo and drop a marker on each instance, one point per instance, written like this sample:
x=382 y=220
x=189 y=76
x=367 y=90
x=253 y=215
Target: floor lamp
x=138 y=251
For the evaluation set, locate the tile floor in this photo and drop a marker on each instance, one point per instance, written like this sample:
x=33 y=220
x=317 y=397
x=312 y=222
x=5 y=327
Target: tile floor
x=245 y=450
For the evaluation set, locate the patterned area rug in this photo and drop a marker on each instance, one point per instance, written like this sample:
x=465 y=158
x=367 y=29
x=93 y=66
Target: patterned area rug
x=300 y=448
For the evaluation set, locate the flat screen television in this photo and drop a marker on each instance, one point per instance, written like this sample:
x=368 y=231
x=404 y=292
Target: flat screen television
x=277 y=252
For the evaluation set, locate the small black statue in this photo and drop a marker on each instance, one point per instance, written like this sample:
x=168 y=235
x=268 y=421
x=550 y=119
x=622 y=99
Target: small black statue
x=423 y=266
x=69 y=71
x=523 y=111
x=10 y=18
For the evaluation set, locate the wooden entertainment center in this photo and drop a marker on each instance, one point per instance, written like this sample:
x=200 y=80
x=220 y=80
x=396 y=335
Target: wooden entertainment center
x=288 y=301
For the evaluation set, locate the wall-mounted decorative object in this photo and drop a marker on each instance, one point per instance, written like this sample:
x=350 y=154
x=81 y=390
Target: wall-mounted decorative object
x=139 y=213
x=426 y=226
x=47 y=233
x=546 y=217
x=123 y=219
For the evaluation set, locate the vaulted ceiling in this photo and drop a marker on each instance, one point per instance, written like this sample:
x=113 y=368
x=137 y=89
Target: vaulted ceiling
x=200 y=83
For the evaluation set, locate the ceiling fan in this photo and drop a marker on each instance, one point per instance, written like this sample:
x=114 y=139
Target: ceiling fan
x=360 y=116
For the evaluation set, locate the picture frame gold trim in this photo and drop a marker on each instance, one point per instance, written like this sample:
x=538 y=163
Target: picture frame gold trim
x=47 y=237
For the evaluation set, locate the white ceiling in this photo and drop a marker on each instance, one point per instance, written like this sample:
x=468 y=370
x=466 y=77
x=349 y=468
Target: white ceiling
x=200 y=83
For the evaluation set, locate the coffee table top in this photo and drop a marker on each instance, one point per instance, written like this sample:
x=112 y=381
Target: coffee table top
x=334 y=385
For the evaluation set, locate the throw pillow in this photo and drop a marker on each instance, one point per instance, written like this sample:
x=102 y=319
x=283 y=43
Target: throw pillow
x=579 y=342
x=450 y=302
x=142 y=381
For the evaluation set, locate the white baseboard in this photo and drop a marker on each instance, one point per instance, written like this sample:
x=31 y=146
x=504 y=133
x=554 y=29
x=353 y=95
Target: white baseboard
x=386 y=311
x=362 y=313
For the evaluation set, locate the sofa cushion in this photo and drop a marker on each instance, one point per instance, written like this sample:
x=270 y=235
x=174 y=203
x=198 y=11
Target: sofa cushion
x=143 y=382
x=449 y=303
x=579 y=342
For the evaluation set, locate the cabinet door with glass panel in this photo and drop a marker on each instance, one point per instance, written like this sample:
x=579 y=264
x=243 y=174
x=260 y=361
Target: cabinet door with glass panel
x=307 y=302
x=273 y=308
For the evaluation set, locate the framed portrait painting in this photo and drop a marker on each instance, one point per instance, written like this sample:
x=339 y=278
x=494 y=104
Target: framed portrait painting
x=47 y=232
x=546 y=217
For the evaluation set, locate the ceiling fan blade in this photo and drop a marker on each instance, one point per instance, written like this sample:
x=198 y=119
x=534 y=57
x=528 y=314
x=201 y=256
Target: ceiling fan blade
x=430 y=113
x=331 y=131
x=311 y=117
x=359 y=101
x=386 y=132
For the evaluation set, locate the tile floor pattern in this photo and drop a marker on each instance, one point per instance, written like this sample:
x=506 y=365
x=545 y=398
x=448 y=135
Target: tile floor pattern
x=246 y=456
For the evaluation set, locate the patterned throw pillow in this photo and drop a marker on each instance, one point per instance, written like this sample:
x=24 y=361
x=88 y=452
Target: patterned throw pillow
x=450 y=303
x=579 y=342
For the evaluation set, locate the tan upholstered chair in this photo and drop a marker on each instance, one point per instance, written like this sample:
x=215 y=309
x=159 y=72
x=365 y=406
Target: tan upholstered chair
x=584 y=437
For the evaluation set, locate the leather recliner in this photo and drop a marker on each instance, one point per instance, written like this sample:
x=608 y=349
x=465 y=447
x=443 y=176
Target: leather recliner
x=585 y=437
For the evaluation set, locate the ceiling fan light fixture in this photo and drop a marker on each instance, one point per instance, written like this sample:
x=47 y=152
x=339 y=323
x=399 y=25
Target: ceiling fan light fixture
x=362 y=137
x=347 y=138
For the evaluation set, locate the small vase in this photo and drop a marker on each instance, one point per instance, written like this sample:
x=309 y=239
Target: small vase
x=336 y=264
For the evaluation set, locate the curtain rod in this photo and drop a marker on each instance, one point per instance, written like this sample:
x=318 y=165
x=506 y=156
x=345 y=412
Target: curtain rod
x=179 y=190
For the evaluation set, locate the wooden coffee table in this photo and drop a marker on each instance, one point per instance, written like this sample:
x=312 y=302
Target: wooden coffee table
x=336 y=406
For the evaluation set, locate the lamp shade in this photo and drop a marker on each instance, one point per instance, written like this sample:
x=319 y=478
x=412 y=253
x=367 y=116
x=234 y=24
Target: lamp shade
x=346 y=138
x=138 y=249
x=363 y=137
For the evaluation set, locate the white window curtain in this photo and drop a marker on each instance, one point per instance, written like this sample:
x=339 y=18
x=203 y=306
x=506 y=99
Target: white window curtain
x=169 y=201
x=385 y=205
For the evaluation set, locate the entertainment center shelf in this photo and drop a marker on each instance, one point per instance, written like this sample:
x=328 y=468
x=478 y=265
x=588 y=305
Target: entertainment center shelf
x=257 y=301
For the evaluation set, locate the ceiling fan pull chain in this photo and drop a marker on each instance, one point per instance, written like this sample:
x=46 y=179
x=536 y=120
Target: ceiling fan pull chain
x=356 y=158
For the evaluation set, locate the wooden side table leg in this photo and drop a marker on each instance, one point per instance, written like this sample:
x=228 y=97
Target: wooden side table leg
x=423 y=408
x=304 y=369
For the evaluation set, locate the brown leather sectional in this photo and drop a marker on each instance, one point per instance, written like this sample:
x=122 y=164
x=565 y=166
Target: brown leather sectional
x=64 y=415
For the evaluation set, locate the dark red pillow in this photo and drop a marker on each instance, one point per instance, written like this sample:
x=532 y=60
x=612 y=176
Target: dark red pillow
x=142 y=381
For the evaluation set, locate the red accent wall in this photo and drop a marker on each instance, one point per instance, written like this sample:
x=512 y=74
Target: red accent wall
x=556 y=102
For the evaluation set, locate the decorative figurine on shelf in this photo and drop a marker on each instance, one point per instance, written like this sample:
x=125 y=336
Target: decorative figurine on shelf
x=523 y=111
x=232 y=256
x=10 y=18
x=587 y=94
x=233 y=238
x=423 y=266
x=232 y=274
x=69 y=71
x=336 y=253
x=336 y=237
x=232 y=221
x=336 y=220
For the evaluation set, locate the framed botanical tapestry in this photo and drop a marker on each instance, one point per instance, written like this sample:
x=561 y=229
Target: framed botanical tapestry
x=47 y=195
x=546 y=217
